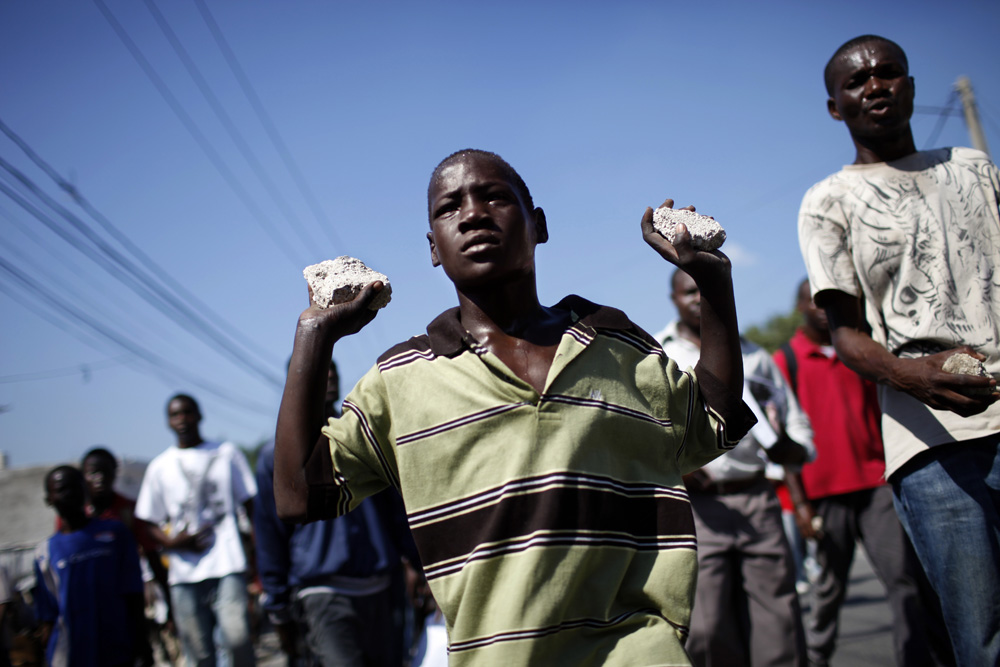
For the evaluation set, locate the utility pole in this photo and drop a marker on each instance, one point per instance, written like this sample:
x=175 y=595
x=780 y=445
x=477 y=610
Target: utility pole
x=964 y=88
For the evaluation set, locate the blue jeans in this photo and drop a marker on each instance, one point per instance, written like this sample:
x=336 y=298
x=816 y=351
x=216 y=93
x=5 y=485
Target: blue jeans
x=200 y=607
x=948 y=500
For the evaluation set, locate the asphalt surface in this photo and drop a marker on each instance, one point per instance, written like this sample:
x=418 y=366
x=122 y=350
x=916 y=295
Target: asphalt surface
x=865 y=621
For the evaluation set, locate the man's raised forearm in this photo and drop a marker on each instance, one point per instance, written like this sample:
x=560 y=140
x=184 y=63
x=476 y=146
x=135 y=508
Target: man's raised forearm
x=302 y=413
x=720 y=338
x=301 y=416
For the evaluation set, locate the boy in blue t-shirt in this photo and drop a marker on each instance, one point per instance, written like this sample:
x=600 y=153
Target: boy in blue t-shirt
x=89 y=592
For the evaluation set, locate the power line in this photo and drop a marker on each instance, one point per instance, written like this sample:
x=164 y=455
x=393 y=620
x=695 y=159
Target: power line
x=126 y=243
x=929 y=110
x=989 y=119
x=68 y=286
x=987 y=115
x=131 y=275
x=199 y=138
x=84 y=369
x=67 y=310
x=34 y=306
x=265 y=119
x=942 y=117
x=118 y=265
x=227 y=123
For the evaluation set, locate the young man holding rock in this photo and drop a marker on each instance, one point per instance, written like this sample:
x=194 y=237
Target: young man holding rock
x=539 y=450
x=901 y=249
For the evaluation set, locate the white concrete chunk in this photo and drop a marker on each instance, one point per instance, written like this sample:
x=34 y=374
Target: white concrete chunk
x=964 y=364
x=340 y=280
x=706 y=233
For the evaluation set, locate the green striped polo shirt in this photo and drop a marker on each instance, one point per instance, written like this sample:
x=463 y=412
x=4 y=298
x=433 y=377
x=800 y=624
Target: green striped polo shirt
x=553 y=528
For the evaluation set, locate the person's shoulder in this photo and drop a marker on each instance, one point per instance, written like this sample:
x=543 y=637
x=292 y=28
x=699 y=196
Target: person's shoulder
x=225 y=450
x=44 y=548
x=604 y=319
x=159 y=461
x=754 y=353
x=668 y=333
x=444 y=337
x=122 y=502
x=959 y=152
x=166 y=456
x=799 y=344
x=224 y=447
x=106 y=530
x=831 y=186
x=962 y=154
x=415 y=347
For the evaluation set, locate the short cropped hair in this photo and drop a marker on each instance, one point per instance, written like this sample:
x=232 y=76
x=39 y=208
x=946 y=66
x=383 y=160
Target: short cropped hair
x=851 y=44
x=803 y=284
x=674 y=277
x=75 y=474
x=101 y=452
x=183 y=397
x=508 y=171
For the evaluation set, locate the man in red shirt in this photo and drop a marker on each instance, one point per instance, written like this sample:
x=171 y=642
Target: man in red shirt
x=845 y=486
x=100 y=469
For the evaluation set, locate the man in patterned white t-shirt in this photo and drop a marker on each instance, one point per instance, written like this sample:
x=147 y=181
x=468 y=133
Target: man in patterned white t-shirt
x=190 y=497
x=901 y=248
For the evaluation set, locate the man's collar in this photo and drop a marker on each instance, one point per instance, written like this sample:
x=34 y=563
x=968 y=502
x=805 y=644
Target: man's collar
x=669 y=332
x=595 y=315
x=446 y=333
x=448 y=337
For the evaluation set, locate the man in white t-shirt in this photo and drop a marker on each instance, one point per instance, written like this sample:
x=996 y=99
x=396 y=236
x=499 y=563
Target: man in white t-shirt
x=190 y=495
x=901 y=249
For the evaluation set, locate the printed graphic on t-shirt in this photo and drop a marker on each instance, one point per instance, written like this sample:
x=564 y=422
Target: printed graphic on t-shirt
x=915 y=251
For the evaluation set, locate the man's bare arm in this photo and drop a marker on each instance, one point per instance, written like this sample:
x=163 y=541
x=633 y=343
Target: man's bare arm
x=181 y=540
x=921 y=378
x=302 y=413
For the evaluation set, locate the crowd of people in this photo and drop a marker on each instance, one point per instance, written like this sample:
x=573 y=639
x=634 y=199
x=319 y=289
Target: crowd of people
x=334 y=591
x=562 y=487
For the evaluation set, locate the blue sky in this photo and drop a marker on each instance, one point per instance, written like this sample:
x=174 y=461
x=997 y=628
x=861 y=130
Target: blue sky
x=603 y=108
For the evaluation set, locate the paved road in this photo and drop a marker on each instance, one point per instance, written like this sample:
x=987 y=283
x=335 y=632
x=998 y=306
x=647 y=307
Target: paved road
x=865 y=621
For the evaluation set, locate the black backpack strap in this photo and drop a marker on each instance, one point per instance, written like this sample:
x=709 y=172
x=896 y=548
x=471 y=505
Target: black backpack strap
x=792 y=364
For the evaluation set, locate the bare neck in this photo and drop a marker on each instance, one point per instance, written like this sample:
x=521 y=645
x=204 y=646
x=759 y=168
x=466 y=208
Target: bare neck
x=521 y=332
x=101 y=503
x=74 y=521
x=817 y=336
x=882 y=149
x=190 y=441
x=689 y=333
x=511 y=309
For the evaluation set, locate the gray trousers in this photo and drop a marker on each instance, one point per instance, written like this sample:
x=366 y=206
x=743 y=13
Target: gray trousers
x=868 y=516
x=746 y=611
x=344 y=631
